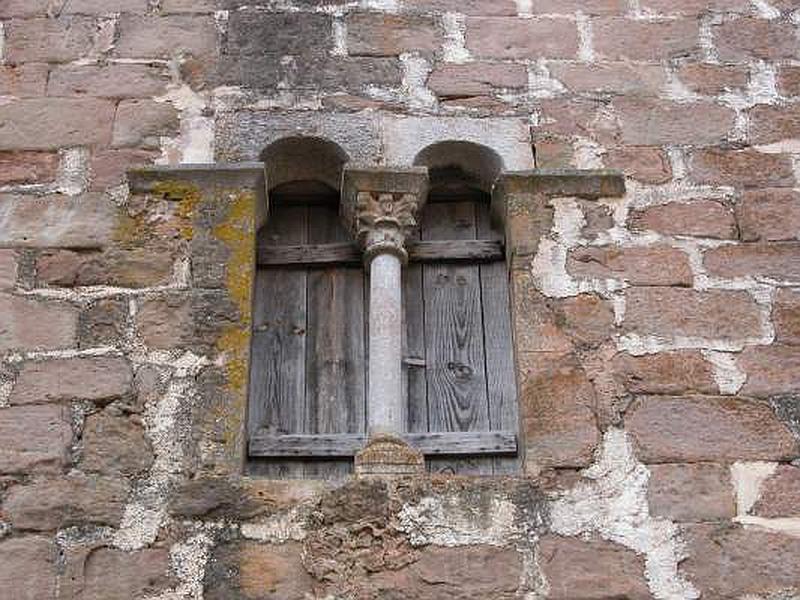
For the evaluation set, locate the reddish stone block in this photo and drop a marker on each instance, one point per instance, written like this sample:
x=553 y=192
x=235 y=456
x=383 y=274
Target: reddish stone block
x=166 y=36
x=164 y=322
x=639 y=265
x=569 y=116
x=28 y=568
x=580 y=569
x=105 y=7
x=535 y=323
x=30 y=324
x=786 y=316
x=96 y=379
x=586 y=319
x=142 y=123
x=115 y=444
x=8 y=269
x=770 y=215
x=778 y=261
x=108 y=81
x=36 y=439
x=610 y=77
x=771 y=370
x=728 y=561
x=23 y=81
x=475 y=79
x=672 y=312
x=746 y=38
x=648 y=122
x=553 y=153
x=770 y=124
x=691 y=492
x=381 y=34
x=108 y=168
x=48 y=40
x=741 y=168
x=713 y=80
x=677 y=372
x=28 y=8
x=478 y=8
x=136 y=574
x=629 y=39
x=789 y=80
x=497 y=37
x=699 y=218
x=28 y=167
x=780 y=494
x=49 y=504
x=643 y=163
x=707 y=428
x=570 y=7
x=694 y=7
x=557 y=411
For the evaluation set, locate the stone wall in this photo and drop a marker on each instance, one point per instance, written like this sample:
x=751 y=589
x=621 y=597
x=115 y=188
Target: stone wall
x=658 y=334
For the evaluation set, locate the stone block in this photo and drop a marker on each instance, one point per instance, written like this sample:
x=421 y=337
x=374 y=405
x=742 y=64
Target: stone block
x=108 y=81
x=28 y=80
x=676 y=312
x=164 y=322
x=570 y=7
x=698 y=218
x=48 y=40
x=103 y=322
x=779 y=495
x=146 y=36
x=28 y=568
x=28 y=167
x=713 y=80
x=586 y=319
x=746 y=38
x=580 y=569
x=476 y=79
x=559 y=428
x=694 y=7
x=108 y=168
x=647 y=164
x=691 y=492
x=676 y=372
x=105 y=7
x=639 y=265
x=49 y=504
x=95 y=379
x=769 y=215
x=115 y=444
x=741 y=168
x=253 y=33
x=478 y=8
x=498 y=37
x=648 y=122
x=142 y=123
x=609 y=77
x=29 y=8
x=629 y=39
x=35 y=439
x=789 y=80
x=535 y=324
x=85 y=221
x=52 y=123
x=169 y=7
x=771 y=370
x=769 y=124
x=8 y=269
x=382 y=34
x=138 y=574
x=707 y=428
x=786 y=317
x=728 y=561
x=30 y=324
x=773 y=260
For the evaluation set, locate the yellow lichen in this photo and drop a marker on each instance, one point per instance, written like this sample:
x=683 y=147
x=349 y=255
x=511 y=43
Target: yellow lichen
x=188 y=197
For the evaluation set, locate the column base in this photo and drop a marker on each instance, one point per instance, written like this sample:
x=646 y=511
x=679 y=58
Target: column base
x=387 y=455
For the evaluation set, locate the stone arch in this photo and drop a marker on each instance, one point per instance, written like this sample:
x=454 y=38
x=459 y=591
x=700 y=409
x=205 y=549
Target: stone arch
x=459 y=165
x=304 y=161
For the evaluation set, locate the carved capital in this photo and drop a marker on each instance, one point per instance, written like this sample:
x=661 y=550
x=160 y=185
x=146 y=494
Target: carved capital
x=380 y=206
x=388 y=455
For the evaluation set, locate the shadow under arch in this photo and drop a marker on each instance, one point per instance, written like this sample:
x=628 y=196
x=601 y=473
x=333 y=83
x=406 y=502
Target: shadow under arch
x=459 y=166
x=304 y=163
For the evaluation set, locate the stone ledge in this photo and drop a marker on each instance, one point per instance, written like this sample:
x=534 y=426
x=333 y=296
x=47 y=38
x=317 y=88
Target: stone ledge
x=590 y=184
x=243 y=174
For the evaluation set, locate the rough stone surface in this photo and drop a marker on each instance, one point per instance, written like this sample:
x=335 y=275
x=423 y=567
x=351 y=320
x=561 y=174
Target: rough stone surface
x=387 y=35
x=30 y=324
x=744 y=38
x=771 y=370
x=624 y=39
x=664 y=373
x=136 y=574
x=745 y=168
x=492 y=37
x=779 y=494
x=643 y=163
x=769 y=215
x=153 y=37
x=786 y=316
x=27 y=167
x=8 y=269
x=576 y=568
x=58 y=503
x=35 y=439
x=47 y=124
x=114 y=443
x=109 y=81
x=648 y=122
x=94 y=379
x=700 y=218
x=48 y=40
x=691 y=492
x=712 y=80
x=778 y=261
x=652 y=265
x=141 y=123
x=28 y=568
x=476 y=79
x=676 y=429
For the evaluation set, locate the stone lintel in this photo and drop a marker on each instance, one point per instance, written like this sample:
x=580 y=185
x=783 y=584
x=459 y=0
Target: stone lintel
x=248 y=174
x=589 y=184
x=388 y=455
x=380 y=205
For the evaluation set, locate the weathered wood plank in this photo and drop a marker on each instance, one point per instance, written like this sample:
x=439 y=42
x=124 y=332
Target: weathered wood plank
x=277 y=372
x=265 y=444
x=500 y=376
x=335 y=362
x=347 y=253
x=455 y=364
x=414 y=347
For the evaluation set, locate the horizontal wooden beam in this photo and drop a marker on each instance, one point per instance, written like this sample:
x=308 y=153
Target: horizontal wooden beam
x=347 y=253
x=267 y=445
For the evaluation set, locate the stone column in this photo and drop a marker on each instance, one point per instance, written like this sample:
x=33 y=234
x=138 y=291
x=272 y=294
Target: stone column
x=380 y=207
